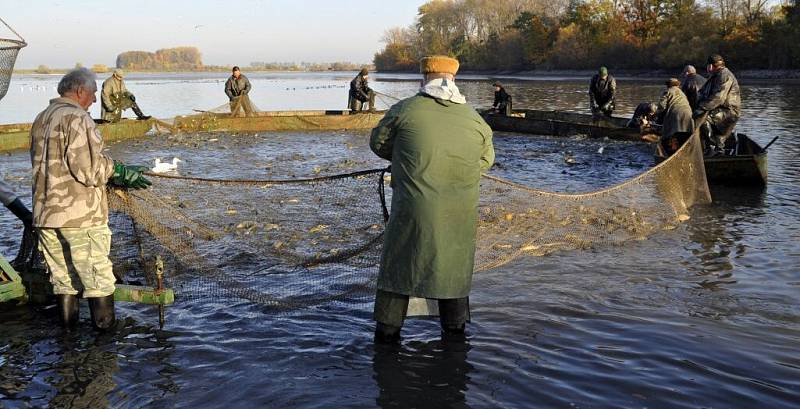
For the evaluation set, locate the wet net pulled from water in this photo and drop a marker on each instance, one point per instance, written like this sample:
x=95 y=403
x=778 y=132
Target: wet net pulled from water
x=290 y=244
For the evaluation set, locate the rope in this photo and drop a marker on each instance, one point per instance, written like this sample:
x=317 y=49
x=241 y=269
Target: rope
x=267 y=181
x=15 y=33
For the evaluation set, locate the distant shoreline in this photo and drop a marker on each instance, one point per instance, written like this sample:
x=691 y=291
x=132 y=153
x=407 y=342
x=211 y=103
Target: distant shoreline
x=52 y=71
x=790 y=75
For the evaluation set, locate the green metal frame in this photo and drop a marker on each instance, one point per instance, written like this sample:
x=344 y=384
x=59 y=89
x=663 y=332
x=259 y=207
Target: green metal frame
x=33 y=287
x=11 y=287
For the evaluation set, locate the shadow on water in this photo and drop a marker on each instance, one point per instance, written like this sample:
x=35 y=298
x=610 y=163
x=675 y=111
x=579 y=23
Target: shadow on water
x=42 y=366
x=420 y=374
x=717 y=233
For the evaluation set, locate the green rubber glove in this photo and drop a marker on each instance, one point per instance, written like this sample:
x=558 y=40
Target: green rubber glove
x=129 y=176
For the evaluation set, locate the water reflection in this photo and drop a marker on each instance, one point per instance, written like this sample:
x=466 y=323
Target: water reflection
x=41 y=366
x=419 y=374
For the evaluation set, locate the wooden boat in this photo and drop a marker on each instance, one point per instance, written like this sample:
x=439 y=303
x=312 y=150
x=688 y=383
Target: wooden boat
x=747 y=166
x=558 y=123
x=17 y=136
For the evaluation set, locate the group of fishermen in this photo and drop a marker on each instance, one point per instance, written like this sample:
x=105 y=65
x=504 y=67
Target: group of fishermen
x=430 y=236
x=436 y=143
x=115 y=97
x=713 y=104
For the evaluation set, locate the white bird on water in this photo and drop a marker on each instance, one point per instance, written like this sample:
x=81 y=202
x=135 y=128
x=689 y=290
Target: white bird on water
x=163 y=167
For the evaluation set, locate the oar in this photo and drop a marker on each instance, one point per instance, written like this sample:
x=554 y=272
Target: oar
x=771 y=142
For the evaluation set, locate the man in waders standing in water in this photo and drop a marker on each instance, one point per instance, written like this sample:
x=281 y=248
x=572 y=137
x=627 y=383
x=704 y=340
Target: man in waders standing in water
x=438 y=146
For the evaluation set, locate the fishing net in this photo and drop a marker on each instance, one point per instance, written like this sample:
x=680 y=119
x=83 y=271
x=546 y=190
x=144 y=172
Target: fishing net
x=240 y=106
x=9 y=49
x=313 y=242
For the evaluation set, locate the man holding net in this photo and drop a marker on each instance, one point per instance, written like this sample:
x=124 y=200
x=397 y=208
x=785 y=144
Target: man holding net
x=361 y=93
x=70 y=208
x=237 y=88
x=116 y=98
x=438 y=146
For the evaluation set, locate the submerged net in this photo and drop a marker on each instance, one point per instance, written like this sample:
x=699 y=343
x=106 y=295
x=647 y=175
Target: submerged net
x=314 y=242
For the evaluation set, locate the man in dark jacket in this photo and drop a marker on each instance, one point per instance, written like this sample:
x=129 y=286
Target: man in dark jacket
x=721 y=100
x=691 y=85
x=237 y=88
x=644 y=114
x=602 y=92
x=502 y=101
x=675 y=116
x=438 y=146
x=360 y=92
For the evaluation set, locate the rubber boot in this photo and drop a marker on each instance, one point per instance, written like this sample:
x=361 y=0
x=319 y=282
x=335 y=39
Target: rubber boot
x=139 y=114
x=68 y=309
x=102 y=310
x=386 y=334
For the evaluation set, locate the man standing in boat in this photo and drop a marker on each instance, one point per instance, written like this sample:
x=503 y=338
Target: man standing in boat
x=116 y=98
x=675 y=116
x=602 y=93
x=361 y=93
x=70 y=209
x=438 y=146
x=237 y=88
x=502 y=101
x=691 y=85
x=720 y=100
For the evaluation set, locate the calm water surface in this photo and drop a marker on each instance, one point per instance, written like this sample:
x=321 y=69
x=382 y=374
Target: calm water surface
x=705 y=315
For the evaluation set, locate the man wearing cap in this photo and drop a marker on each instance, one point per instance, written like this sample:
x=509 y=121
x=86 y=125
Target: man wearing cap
x=721 y=100
x=691 y=85
x=602 y=92
x=675 y=116
x=116 y=98
x=70 y=208
x=360 y=92
x=237 y=88
x=438 y=146
x=502 y=101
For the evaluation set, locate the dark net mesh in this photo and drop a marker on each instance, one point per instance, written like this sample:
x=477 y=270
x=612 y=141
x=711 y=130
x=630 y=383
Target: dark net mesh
x=300 y=243
x=8 y=57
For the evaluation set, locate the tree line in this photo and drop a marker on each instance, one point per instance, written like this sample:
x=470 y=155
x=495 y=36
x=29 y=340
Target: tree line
x=179 y=58
x=518 y=35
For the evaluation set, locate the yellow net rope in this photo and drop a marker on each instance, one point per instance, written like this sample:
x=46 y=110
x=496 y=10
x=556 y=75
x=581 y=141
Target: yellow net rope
x=309 y=242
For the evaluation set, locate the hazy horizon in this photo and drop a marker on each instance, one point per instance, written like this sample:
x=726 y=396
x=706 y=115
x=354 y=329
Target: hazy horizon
x=60 y=34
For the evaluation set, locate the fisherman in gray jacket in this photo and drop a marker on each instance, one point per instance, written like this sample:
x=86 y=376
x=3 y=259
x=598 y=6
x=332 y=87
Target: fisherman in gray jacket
x=720 y=98
x=237 y=88
x=675 y=115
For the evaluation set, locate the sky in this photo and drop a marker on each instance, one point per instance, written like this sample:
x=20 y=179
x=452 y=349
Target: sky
x=61 y=33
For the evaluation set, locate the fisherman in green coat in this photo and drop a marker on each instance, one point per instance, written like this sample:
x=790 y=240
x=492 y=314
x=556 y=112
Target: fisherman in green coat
x=116 y=98
x=438 y=146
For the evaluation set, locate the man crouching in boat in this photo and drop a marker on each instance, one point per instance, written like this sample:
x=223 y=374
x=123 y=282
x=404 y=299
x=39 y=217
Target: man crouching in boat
x=721 y=100
x=70 y=209
x=438 y=146
x=116 y=98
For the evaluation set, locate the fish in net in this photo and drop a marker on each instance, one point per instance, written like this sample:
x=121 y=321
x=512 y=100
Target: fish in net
x=291 y=244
